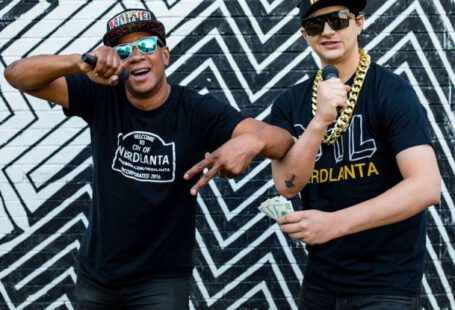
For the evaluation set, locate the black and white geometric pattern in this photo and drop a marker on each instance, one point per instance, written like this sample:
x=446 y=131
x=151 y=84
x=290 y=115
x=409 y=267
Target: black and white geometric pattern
x=246 y=52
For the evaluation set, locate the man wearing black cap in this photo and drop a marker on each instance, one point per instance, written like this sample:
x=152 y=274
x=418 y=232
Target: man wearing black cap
x=137 y=252
x=364 y=168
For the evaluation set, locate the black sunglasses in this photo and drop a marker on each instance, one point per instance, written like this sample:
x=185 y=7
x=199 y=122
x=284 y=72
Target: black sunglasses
x=337 y=20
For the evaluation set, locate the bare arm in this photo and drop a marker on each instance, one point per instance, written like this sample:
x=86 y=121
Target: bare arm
x=293 y=172
x=42 y=76
x=249 y=139
x=419 y=189
x=273 y=141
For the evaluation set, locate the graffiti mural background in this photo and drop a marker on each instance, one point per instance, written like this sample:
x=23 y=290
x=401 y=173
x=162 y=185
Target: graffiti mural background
x=246 y=52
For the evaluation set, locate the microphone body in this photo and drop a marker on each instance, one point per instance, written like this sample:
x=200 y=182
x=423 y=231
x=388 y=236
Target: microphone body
x=91 y=60
x=330 y=72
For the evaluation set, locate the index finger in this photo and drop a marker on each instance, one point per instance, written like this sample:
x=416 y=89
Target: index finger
x=290 y=228
x=204 y=180
x=198 y=168
x=120 y=75
x=290 y=218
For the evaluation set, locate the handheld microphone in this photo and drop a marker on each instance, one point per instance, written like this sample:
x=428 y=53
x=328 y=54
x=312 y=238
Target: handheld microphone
x=91 y=60
x=330 y=72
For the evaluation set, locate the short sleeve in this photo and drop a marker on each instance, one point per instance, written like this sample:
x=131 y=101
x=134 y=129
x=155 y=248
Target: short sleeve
x=218 y=120
x=405 y=120
x=81 y=92
x=281 y=114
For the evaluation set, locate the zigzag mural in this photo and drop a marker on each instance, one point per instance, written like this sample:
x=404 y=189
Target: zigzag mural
x=245 y=52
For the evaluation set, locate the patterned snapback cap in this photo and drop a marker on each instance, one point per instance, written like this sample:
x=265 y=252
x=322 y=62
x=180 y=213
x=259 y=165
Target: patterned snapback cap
x=133 y=20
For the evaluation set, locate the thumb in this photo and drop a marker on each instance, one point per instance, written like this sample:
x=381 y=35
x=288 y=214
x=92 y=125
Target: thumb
x=113 y=80
x=84 y=67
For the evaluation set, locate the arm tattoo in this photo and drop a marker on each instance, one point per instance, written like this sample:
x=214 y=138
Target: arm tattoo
x=290 y=183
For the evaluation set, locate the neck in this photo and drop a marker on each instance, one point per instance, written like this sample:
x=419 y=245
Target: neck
x=150 y=100
x=347 y=67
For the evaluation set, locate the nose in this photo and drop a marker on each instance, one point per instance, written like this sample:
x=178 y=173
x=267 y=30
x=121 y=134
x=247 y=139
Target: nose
x=327 y=29
x=136 y=54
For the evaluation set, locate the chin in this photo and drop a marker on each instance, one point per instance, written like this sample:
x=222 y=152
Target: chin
x=332 y=56
x=141 y=90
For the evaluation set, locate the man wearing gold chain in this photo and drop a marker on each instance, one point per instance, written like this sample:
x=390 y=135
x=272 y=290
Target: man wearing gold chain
x=364 y=167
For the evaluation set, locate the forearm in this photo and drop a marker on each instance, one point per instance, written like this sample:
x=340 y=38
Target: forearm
x=36 y=72
x=399 y=203
x=275 y=141
x=293 y=171
x=270 y=141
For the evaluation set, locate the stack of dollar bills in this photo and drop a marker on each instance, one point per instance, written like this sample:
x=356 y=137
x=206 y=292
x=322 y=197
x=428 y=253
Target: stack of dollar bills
x=276 y=207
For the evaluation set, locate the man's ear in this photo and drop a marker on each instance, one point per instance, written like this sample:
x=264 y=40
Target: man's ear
x=304 y=34
x=360 y=21
x=166 y=55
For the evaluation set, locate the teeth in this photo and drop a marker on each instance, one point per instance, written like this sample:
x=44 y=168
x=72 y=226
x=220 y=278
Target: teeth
x=141 y=71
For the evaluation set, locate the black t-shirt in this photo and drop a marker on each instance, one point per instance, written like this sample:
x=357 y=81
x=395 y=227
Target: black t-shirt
x=142 y=220
x=387 y=119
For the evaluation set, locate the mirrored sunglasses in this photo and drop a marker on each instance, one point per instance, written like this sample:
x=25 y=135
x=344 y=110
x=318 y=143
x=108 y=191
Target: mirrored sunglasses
x=337 y=20
x=145 y=46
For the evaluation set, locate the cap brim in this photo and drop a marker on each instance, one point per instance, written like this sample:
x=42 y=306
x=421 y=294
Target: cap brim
x=354 y=5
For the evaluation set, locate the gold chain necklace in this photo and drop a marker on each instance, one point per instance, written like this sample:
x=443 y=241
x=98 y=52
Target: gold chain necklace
x=343 y=119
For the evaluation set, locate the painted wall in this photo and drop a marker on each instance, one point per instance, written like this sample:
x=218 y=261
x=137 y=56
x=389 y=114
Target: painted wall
x=246 y=52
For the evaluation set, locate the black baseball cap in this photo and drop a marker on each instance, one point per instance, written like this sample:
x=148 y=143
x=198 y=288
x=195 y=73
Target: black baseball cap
x=307 y=7
x=133 y=20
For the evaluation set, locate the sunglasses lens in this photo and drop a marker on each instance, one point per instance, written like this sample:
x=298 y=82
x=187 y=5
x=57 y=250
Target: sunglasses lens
x=124 y=51
x=337 y=23
x=147 y=45
x=313 y=26
x=338 y=20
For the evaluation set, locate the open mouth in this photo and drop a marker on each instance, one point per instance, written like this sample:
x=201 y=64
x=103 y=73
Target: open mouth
x=330 y=43
x=140 y=72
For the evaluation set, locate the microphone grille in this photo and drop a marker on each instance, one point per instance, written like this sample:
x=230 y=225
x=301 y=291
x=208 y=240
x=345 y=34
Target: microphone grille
x=329 y=72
